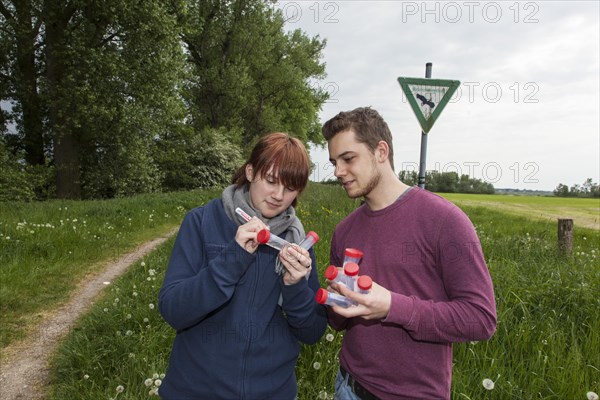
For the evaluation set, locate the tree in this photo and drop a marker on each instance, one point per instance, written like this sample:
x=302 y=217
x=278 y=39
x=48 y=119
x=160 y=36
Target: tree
x=561 y=190
x=103 y=91
x=448 y=182
x=410 y=178
x=588 y=189
x=107 y=73
x=249 y=74
x=20 y=23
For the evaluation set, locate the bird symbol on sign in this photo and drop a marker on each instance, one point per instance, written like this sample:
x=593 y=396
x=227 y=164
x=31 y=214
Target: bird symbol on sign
x=424 y=101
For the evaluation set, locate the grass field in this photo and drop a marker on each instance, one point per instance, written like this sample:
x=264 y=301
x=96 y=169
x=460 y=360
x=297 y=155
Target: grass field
x=47 y=247
x=546 y=346
x=584 y=212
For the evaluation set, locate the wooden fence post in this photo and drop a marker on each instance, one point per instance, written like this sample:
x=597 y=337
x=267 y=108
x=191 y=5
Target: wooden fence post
x=565 y=236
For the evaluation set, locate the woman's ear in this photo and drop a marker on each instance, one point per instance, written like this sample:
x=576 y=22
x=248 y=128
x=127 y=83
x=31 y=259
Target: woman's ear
x=249 y=172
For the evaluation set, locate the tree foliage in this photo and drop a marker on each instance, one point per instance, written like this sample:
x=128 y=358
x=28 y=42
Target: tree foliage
x=448 y=182
x=121 y=96
x=589 y=188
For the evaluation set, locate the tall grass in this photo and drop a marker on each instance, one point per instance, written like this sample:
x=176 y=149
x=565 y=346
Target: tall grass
x=546 y=346
x=47 y=247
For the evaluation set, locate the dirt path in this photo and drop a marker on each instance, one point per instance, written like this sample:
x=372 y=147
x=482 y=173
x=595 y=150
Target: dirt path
x=24 y=372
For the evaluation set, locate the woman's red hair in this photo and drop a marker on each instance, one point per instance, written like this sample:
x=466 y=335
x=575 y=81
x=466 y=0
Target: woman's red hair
x=288 y=157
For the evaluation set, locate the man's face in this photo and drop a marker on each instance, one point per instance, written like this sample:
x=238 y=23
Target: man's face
x=355 y=165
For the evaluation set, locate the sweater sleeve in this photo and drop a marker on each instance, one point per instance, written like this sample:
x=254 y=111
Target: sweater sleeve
x=470 y=311
x=194 y=287
x=306 y=318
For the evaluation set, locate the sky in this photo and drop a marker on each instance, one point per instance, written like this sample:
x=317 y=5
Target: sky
x=526 y=114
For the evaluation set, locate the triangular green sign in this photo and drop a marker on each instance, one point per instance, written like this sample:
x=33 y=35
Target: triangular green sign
x=428 y=97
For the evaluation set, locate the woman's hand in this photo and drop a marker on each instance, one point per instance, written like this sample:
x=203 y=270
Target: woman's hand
x=246 y=234
x=297 y=264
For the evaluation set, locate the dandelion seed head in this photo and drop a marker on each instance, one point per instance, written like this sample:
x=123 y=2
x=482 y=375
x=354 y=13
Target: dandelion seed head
x=488 y=384
x=86 y=376
x=592 y=395
x=317 y=365
x=151 y=305
x=329 y=337
x=120 y=389
x=148 y=382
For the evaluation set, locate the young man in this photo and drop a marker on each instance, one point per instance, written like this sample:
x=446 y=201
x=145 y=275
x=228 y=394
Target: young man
x=431 y=286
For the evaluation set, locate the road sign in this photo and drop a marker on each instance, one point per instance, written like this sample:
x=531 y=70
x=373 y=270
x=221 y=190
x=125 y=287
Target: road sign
x=428 y=97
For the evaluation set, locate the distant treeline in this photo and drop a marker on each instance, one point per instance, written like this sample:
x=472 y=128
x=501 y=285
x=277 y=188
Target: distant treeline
x=587 y=189
x=448 y=182
x=442 y=182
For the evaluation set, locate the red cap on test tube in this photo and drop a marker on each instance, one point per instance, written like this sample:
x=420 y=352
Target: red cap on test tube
x=263 y=236
x=364 y=283
x=314 y=236
x=310 y=239
x=331 y=273
x=321 y=296
x=324 y=297
x=351 y=269
x=352 y=255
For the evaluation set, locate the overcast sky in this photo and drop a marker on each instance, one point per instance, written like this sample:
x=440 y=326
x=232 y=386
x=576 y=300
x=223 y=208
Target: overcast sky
x=526 y=114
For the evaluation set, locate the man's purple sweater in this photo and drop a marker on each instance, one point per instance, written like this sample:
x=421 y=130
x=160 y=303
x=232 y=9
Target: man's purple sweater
x=424 y=250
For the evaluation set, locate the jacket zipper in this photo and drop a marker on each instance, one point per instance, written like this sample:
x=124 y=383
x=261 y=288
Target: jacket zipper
x=249 y=322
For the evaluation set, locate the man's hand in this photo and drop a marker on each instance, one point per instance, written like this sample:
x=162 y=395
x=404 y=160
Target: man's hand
x=373 y=305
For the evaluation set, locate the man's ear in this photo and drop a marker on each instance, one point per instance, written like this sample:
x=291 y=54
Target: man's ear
x=382 y=151
x=249 y=172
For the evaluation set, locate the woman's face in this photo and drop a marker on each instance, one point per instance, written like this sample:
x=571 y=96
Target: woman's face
x=267 y=194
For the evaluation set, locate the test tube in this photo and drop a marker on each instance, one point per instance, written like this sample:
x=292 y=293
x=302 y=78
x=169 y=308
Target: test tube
x=332 y=274
x=351 y=274
x=364 y=284
x=331 y=299
x=352 y=255
x=265 y=236
x=309 y=241
x=243 y=214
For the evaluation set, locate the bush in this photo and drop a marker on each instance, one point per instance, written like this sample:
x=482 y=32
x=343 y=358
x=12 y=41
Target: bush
x=22 y=182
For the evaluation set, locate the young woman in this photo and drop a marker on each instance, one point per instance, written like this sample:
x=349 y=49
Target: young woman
x=241 y=309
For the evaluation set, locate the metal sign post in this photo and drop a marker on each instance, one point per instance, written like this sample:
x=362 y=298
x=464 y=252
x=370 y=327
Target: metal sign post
x=423 y=158
x=433 y=94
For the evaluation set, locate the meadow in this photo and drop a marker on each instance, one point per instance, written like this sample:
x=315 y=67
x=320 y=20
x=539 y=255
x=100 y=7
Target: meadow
x=585 y=212
x=546 y=346
x=47 y=247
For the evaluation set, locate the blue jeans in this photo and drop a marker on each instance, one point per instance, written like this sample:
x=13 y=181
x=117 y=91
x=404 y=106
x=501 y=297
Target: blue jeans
x=342 y=390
